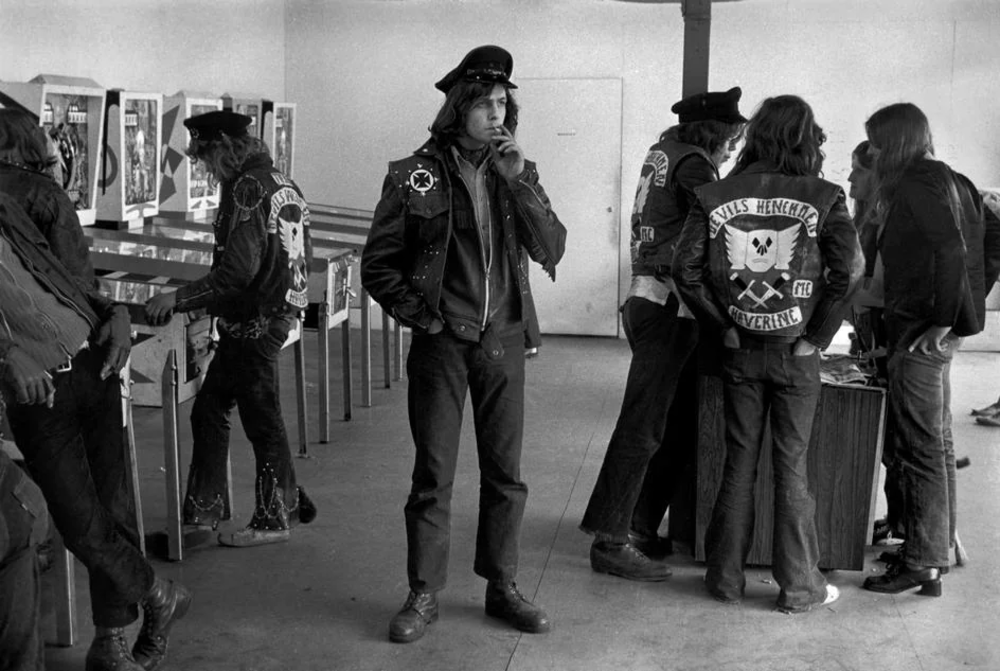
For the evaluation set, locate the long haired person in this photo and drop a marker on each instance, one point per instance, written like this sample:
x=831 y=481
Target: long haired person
x=769 y=256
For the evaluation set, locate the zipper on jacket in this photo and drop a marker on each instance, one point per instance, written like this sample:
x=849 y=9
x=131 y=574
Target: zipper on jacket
x=487 y=264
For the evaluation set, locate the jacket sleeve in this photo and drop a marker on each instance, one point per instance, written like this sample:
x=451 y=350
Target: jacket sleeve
x=844 y=266
x=540 y=231
x=690 y=269
x=56 y=218
x=241 y=260
x=693 y=171
x=930 y=211
x=991 y=239
x=385 y=260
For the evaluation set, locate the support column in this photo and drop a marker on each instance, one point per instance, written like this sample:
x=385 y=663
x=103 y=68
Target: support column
x=697 y=28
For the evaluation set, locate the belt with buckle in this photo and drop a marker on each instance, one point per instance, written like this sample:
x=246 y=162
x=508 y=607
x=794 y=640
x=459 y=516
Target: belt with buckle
x=68 y=366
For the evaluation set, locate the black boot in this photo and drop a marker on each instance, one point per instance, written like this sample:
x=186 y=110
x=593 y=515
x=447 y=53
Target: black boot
x=626 y=561
x=900 y=577
x=307 y=509
x=164 y=603
x=409 y=624
x=109 y=651
x=504 y=601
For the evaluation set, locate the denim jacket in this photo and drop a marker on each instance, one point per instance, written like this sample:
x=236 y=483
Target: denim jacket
x=403 y=263
x=48 y=206
x=262 y=249
x=775 y=255
x=33 y=249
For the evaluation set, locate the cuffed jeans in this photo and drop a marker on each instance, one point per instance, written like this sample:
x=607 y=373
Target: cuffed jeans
x=76 y=453
x=644 y=462
x=24 y=523
x=442 y=369
x=243 y=373
x=766 y=381
x=919 y=401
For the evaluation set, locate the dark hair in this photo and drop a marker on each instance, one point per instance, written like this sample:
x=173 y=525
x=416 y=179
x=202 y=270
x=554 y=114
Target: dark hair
x=23 y=141
x=901 y=134
x=784 y=132
x=866 y=159
x=863 y=152
x=710 y=135
x=224 y=157
x=449 y=124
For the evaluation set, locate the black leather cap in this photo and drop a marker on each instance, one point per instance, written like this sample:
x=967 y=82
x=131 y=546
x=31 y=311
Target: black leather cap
x=487 y=63
x=212 y=125
x=711 y=106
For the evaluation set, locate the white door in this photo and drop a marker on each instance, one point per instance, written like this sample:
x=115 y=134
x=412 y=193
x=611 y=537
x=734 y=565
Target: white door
x=572 y=129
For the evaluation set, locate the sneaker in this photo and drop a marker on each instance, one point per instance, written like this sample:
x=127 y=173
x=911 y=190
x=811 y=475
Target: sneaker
x=250 y=537
x=988 y=411
x=883 y=533
x=832 y=594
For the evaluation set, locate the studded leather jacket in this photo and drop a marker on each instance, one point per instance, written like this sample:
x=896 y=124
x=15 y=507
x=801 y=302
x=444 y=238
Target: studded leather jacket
x=403 y=265
x=262 y=249
x=775 y=255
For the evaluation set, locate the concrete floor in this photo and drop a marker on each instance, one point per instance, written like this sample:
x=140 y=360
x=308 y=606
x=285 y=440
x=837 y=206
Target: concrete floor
x=324 y=600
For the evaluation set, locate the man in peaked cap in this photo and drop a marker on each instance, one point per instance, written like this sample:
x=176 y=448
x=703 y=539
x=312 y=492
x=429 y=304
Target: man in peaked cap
x=446 y=256
x=656 y=433
x=256 y=288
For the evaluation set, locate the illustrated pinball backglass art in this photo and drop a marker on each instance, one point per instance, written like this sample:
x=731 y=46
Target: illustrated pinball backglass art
x=141 y=150
x=284 y=134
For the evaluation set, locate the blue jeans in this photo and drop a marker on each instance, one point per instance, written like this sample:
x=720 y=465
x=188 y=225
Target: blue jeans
x=442 y=370
x=75 y=452
x=24 y=524
x=243 y=373
x=762 y=382
x=644 y=461
x=919 y=401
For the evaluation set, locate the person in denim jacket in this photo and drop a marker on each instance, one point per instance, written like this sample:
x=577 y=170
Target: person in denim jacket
x=447 y=256
x=61 y=349
x=769 y=256
x=24 y=523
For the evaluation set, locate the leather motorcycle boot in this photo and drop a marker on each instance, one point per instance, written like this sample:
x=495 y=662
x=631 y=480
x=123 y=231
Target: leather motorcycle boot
x=652 y=545
x=409 y=624
x=625 y=561
x=900 y=577
x=109 y=651
x=504 y=601
x=164 y=604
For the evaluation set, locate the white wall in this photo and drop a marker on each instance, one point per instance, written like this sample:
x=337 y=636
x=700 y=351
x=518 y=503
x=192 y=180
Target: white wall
x=363 y=72
x=850 y=57
x=148 y=45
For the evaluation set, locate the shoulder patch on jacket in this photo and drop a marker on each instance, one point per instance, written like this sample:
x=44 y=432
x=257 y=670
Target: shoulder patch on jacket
x=248 y=195
x=417 y=176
